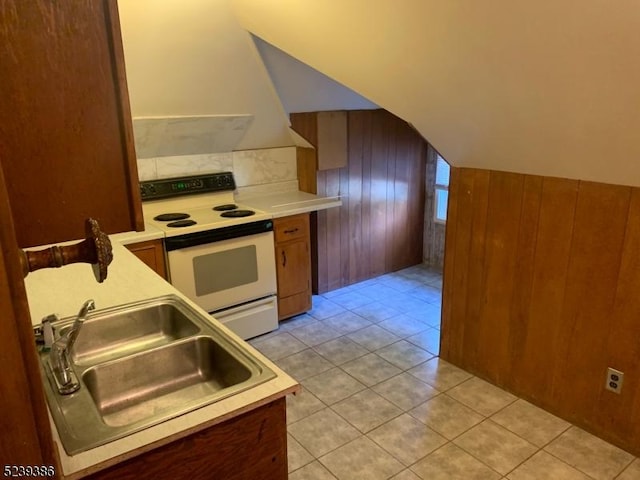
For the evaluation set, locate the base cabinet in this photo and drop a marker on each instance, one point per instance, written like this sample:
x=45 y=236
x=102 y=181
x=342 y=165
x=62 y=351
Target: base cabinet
x=152 y=254
x=250 y=446
x=293 y=264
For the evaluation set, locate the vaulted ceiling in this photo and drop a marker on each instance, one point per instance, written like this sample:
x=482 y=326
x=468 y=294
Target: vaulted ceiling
x=546 y=87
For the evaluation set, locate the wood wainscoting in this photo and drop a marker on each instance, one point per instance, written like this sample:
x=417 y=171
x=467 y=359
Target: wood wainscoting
x=379 y=227
x=542 y=293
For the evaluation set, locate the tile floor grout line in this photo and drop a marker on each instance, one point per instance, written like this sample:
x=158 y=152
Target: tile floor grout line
x=483 y=462
x=407 y=285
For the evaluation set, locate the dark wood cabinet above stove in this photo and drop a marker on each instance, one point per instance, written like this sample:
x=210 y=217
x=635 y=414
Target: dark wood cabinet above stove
x=67 y=138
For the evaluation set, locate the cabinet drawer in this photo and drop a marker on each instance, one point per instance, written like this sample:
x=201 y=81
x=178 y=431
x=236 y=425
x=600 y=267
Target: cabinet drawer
x=290 y=228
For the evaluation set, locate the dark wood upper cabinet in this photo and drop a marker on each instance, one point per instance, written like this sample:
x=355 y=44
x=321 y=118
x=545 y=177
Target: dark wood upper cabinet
x=66 y=135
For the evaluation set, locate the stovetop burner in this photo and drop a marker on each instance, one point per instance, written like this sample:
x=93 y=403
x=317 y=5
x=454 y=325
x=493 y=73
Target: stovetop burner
x=170 y=217
x=181 y=223
x=237 y=213
x=225 y=207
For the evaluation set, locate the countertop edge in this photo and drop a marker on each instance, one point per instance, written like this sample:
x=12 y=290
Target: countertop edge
x=46 y=288
x=293 y=390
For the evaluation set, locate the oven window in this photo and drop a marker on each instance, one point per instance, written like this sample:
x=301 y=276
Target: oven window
x=219 y=271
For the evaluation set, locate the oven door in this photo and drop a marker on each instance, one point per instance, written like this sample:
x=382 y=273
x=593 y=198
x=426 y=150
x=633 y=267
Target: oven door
x=224 y=273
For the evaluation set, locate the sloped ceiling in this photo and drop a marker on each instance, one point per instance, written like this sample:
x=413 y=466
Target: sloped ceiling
x=304 y=89
x=546 y=87
x=192 y=58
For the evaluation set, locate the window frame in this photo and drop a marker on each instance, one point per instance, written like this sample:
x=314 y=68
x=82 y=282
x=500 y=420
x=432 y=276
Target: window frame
x=439 y=187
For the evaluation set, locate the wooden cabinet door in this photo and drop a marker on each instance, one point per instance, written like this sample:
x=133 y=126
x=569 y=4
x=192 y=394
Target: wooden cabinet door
x=293 y=261
x=152 y=254
x=67 y=138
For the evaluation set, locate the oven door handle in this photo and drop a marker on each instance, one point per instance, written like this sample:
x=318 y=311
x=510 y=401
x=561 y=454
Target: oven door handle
x=217 y=235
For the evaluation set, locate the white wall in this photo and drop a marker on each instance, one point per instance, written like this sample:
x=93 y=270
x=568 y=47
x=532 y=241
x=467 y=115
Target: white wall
x=304 y=89
x=191 y=57
x=546 y=87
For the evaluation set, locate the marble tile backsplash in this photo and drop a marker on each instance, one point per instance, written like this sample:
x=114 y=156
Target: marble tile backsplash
x=195 y=135
x=250 y=167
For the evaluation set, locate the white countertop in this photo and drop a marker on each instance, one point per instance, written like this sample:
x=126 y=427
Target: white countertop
x=63 y=291
x=126 y=238
x=276 y=205
x=283 y=204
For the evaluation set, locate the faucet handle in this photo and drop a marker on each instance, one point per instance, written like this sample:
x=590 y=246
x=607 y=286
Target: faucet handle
x=47 y=330
x=44 y=332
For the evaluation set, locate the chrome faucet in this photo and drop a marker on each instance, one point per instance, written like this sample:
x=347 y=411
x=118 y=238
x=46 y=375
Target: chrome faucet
x=61 y=351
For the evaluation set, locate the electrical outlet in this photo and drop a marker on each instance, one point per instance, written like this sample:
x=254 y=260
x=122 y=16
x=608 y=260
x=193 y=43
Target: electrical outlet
x=614 y=380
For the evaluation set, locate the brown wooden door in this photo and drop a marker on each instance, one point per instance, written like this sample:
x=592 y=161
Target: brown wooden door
x=67 y=137
x=25 y=434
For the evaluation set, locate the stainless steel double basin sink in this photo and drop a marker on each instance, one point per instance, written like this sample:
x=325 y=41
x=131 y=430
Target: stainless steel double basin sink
x=142 y=364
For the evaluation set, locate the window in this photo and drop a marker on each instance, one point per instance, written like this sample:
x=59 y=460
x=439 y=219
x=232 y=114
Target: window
x=442 y=189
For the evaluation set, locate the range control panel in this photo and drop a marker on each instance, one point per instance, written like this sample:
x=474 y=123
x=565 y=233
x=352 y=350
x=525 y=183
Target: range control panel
x=172 y=187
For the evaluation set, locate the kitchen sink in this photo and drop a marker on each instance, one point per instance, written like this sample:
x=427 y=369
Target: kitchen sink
x=141 y=364
x=163 y=379
x=132 y=328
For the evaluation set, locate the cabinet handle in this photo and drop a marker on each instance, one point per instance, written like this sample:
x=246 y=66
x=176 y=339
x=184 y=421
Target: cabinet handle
x=293 y=230
x=284 y=259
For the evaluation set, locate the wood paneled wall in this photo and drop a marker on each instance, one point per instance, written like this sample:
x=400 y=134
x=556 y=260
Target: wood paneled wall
x=379 y=227
x=542 y=293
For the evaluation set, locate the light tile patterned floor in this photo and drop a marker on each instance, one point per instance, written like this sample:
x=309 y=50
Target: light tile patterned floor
x=378 y=403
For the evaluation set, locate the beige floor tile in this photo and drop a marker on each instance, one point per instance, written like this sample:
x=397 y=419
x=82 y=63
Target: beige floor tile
x=495 y=446
x=428 y=340
x=340 y=350
x=427 y=293
x=405 y=390
x=481 y=396
x=543 y=466
x=380 y=292
x=373 y=337
x=351 y=299
x=440 y=374
x=296 y=322
x=366 y=410
x=312 y=471
x=404 y=355
x=297 y=456
x=304 y=364
x=446 y=416
x=302 y=405
x=323 y=308
x=279 y=346
x=376 y=312
x=361 y=459
x=530 y=422
x=346 y=322
x=632 y=472
x=406 y=475
x=315 y=334
x=407 y=439
x=589 y=454
x=403 y=325
x=333 y=385
x=322 y=432
x=370 y=369
x=453 y=463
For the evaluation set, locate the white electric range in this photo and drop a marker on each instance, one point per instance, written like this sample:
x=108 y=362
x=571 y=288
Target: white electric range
x=219 y=254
